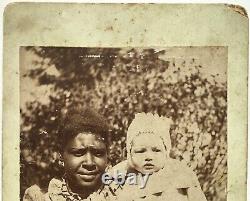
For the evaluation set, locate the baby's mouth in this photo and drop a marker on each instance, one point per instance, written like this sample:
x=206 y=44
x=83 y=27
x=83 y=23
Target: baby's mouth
x=148 y=166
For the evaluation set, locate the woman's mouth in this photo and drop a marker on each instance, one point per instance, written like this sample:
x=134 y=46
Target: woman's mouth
x=88 y=176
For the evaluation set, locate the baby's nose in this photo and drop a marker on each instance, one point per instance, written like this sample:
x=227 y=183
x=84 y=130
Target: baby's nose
x=148 y=159
x=149 y=156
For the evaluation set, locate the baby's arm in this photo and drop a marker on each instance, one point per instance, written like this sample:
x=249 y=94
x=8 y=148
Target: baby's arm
x=185 y=178
x=196 y=194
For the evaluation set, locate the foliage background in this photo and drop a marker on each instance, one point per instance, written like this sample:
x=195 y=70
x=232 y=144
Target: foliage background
x=118 y=83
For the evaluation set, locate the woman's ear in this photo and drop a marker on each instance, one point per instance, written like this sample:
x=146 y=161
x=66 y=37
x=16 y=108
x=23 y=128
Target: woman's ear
x=60 y=159
x=59 y=156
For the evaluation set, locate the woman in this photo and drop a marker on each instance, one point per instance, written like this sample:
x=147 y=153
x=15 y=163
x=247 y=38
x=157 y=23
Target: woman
x=83 y=155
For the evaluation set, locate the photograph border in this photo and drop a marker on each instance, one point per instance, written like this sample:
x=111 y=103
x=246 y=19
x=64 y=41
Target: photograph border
x=106 y=25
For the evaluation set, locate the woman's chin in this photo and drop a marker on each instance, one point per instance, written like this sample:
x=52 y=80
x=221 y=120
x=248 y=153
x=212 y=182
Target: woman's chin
x=89 y=181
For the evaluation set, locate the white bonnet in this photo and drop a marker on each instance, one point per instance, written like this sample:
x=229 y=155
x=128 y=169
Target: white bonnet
x=149 y=123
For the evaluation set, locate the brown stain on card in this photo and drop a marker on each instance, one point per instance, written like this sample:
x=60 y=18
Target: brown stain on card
x=25 y=23
x=239 y=9
x=109 y=28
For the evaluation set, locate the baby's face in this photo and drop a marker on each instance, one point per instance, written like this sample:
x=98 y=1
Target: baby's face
x=148 y=153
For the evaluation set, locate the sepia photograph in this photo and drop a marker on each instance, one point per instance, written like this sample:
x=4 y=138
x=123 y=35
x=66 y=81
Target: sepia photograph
x=123 y=123
x=125 y=102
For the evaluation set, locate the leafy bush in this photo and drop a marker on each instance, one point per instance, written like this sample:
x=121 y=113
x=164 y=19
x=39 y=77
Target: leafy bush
x=119 y=83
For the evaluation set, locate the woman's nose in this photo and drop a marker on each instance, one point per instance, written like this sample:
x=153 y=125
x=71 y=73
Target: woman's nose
x=88 y=158
x=88 y=162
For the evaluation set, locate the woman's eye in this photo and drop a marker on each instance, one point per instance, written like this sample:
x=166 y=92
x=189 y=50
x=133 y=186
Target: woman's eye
x=77 y=154
x=98 y=153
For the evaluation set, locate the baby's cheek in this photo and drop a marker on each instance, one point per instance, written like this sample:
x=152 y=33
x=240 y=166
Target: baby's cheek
x=160 y=161
x=137 y=162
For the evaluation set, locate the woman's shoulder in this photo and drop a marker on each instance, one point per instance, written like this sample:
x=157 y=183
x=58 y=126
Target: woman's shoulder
x=55 y=186
x=34 y=193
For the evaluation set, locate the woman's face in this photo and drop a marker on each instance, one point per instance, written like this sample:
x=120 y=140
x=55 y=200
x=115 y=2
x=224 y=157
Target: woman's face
x=85 y=160
x=148 y=153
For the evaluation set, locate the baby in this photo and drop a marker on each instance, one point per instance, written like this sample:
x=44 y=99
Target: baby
x=148 y=148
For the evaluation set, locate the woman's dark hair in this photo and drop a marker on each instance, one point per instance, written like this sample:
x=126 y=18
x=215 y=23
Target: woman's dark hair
x=78 y=120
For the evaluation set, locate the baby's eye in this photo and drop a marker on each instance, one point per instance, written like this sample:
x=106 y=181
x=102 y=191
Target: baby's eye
x=156 y=150
x=139 y=151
